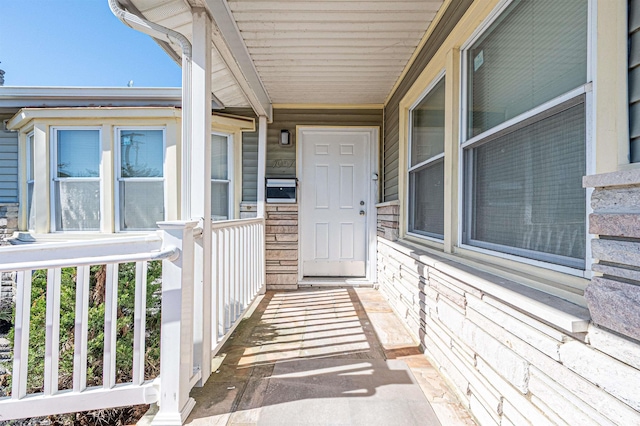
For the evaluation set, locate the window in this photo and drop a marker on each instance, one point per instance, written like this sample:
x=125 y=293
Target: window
x=221 y=188
x=76 y=179
x=525 y=142
x=634 y=79
x=426 y=159
x=140 y=179
x=30 y=179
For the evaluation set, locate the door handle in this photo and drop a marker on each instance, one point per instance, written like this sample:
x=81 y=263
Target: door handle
x=361 y=212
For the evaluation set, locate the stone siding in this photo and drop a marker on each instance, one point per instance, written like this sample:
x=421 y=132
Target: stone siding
x=248 y=210
x=507 y=366
x=613 y=296
x=8 y=221
x=281 y=229
x=388 y=219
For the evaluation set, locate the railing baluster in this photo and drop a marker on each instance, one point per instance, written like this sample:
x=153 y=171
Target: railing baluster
x=110 y=326
x=81 y=329
x=226 y=308
x=21 y=338
x=243 y=267
x=236 y=283
x=214 y=288
x=139 y=323
x=52 y=334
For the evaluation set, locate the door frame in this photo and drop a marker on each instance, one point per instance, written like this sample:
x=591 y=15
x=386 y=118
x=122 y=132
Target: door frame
x=371 y=210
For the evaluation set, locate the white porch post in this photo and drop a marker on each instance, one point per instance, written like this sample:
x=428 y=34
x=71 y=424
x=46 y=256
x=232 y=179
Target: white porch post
x=176 y=347
x=201 y=187
x=262 y=163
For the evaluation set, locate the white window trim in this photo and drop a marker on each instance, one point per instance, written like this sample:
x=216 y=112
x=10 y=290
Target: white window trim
x=410 y=168
x=118 y=170
x=230 y=173
x=586 y=89
x=53 y=178
x=30 y=175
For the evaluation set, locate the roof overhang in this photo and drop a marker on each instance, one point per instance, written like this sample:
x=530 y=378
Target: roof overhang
x=303 y=52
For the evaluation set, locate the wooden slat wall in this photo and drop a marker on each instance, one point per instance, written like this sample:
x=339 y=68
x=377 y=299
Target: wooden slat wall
x=634 y=79
x=8 y=166
x=281 y=161
x=452 y=15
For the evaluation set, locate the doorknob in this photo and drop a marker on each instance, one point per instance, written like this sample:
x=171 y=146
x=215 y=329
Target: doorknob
x=361 y=212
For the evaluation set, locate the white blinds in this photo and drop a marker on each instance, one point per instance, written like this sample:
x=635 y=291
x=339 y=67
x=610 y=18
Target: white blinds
x=526 y=190
x=535 y=51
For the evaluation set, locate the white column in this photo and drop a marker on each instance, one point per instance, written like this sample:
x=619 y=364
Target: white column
x=42 y=179
x=176 y=344
x=201 y=187
x=262 y=163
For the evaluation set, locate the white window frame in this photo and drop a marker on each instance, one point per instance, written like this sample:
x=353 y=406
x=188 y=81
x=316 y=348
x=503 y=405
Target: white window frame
x=118 y=174
x=230 y=174
x=30 y=175
x=586 y=90
x=54 y=171
x=410 y=169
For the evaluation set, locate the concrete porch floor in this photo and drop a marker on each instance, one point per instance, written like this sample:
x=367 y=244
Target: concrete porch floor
x=324 y=356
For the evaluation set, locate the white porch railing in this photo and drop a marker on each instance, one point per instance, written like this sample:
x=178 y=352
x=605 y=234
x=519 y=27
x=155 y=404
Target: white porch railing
x=238 y=270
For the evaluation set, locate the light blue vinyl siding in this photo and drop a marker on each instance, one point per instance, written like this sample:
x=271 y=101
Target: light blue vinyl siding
x=8 y=167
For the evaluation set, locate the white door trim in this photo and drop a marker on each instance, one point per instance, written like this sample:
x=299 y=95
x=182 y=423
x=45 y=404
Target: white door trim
x=371 y=211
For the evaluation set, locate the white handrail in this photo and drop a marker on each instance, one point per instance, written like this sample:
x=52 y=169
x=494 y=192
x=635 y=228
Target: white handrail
x=169 y=253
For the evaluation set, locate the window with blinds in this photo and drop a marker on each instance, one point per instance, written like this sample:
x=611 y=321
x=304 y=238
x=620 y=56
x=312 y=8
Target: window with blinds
x=140 y=179
x=220 y=177
x=76 y=179
x=426 y=171
x=523 y=190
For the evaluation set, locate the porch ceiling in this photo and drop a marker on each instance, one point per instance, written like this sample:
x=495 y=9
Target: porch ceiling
x=313 y=51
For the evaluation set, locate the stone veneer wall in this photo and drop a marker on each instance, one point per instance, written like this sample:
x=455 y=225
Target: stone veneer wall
x=507 y=366
x=8 y=221
x=387 y=220
x=281 y=229
x=614 y=297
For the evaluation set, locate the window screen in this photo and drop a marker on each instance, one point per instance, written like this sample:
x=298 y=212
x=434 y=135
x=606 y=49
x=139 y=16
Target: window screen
x=426 y=174
x=220 y=182
x=535 y=51
x=76 y=180
x=526 y=196
x=141 y=186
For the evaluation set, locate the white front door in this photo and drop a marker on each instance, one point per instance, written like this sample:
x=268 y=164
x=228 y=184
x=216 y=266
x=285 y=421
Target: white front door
x=335 y=171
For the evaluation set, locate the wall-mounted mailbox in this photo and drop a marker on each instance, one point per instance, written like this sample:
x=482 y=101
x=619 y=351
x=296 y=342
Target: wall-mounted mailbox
x=281 y=190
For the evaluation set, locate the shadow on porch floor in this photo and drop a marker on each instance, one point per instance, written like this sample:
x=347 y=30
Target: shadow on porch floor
x=324 y=356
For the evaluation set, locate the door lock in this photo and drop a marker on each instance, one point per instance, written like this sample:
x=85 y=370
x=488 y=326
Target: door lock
x=362 y=203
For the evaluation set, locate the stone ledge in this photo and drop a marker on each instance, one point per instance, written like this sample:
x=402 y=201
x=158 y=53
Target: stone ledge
x=553 y=310
x=616 y=224
x=615 y=305
x=620 y=178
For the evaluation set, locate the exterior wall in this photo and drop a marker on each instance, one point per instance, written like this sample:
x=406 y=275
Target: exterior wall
x=436 y=35
x=281 y=238
x=506 y=365
x=8 y=165
x=517 y=342
x=8 y=221
x=613 y=297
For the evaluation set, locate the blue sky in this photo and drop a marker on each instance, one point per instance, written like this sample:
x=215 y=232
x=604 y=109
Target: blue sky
x=77 y=43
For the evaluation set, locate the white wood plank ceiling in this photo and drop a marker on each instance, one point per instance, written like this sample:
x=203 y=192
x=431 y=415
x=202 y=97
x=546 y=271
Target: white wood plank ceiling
x=315 y=51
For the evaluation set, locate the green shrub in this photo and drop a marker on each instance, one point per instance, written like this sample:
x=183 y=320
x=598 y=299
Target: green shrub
x=95 y=346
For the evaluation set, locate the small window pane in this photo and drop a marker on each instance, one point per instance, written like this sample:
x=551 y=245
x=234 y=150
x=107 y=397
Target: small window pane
x=527 y=193
x=142 y=205
x=141 y=153
x=220 y=200
x=30 y=151
x=219 y=160
x=78 y=153
x=31 y=213
x=427 y=200
x=535 y=51
x=427 y=126
x=77 y=205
